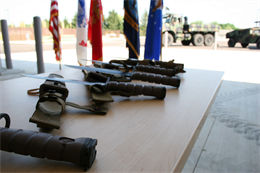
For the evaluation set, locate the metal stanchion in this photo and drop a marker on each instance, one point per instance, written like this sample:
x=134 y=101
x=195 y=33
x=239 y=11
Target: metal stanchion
x=7 y=50
x=38 y=43
x=1 y=68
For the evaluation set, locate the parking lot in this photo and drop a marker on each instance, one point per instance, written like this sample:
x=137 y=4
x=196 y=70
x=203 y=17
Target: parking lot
x=29 y=46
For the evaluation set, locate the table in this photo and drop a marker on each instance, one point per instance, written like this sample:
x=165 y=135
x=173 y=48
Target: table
x=137 y=134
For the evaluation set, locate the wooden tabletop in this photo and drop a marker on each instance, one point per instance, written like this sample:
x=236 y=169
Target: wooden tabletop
x=137 y=134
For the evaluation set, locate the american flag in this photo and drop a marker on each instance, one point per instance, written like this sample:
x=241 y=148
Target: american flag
x=54 y=27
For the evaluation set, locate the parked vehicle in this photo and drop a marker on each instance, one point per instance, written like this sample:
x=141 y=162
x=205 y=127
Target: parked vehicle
x=195 y=34
x=244 y=37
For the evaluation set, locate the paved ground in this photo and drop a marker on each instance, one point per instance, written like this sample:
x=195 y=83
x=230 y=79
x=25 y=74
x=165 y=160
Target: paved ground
x=230 y=138
x=29 y=46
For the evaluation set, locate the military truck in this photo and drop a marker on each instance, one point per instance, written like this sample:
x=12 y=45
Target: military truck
x=244 y=37
x=195 y=34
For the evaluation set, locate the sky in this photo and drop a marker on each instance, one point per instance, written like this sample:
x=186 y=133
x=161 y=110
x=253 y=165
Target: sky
x=241 y=13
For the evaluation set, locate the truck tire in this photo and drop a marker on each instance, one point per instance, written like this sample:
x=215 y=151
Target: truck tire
x=208 y=39
x=258 y=44
x=231 y=42
x=244 y=45
x=198 y=40
x=185 y=42
x=170 y=39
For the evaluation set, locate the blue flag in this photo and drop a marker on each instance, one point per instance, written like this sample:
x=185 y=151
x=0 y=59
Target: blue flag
x=153 y=31
x=131 y=28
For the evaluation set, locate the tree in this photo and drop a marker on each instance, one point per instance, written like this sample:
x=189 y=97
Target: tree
x=22 y=24
x=47 y=23
x=227 y=26
x=214 y=23
x=74 y=21
x=113 y=21
x=121 y=18
x=198 y=22
x=28 y=25
x=66 y=23
x=222 y=25
x=143 y=22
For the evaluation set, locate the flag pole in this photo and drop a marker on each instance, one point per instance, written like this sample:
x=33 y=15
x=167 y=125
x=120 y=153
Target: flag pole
x=60 y=64
x=59 y=48
x=161 y=46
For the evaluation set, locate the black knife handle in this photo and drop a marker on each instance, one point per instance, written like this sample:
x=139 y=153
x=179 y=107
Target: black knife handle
x=156 y=70
x=170 y=64
x=137 y=89
x=156 y=78
x=81 y=151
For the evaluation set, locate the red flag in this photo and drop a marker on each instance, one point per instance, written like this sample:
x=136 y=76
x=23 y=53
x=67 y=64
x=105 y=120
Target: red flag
x=54 y=27
x=95 y=29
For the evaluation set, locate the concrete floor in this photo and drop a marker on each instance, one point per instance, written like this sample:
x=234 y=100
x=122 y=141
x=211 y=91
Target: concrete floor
x=230 y=138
